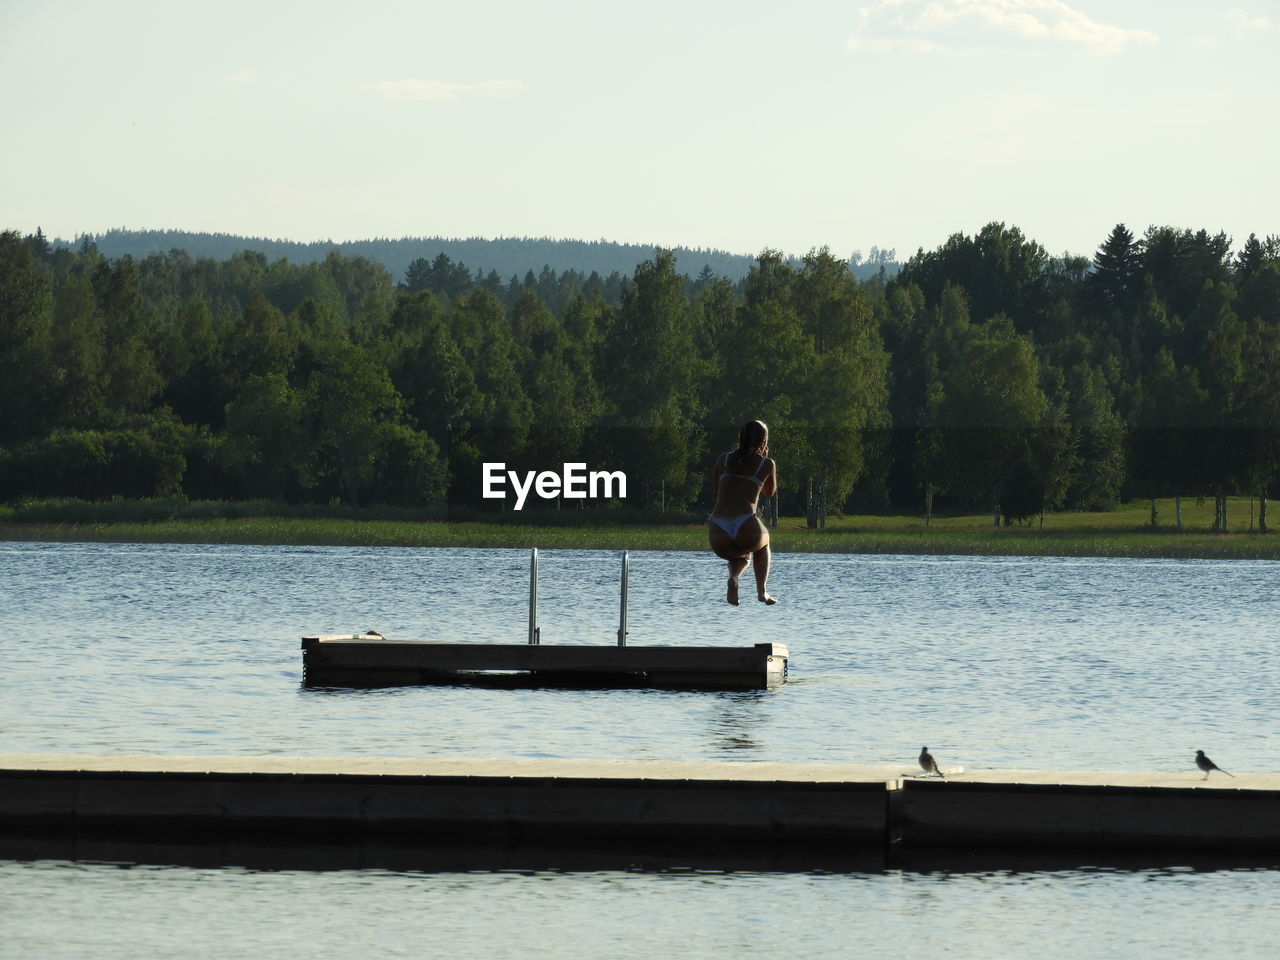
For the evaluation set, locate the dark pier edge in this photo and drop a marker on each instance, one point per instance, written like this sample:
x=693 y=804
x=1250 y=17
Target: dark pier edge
x=355 y=661
x=657 y=821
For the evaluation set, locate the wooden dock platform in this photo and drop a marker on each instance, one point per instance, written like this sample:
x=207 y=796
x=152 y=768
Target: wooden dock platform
x=363 y=661
x=372 y=660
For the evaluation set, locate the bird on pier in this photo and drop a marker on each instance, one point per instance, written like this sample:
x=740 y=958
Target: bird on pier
x=1208 y=766
x=927 y=763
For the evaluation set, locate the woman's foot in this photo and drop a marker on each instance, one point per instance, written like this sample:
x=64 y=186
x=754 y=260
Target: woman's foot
x=731 y=596
x=766 y=598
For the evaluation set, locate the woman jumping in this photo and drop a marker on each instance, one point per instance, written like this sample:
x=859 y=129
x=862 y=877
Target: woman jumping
x=738 y=479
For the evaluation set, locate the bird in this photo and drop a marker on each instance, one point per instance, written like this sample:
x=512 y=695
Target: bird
x=927 y=763
x=1207 y=765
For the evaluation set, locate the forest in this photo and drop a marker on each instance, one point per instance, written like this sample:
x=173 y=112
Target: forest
x=501 y=256
x=984 y=375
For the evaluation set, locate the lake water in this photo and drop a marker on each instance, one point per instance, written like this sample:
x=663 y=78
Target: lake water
x=993 y=662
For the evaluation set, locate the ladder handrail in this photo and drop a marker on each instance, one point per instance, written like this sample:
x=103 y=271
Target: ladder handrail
x=622 y=613
x=535 y=632
x=533 y=598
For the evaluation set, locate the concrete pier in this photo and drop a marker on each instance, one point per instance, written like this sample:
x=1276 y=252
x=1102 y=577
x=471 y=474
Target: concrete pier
x=511 y=799
x=842 y=806
x=1121 y=811
x=363 y=661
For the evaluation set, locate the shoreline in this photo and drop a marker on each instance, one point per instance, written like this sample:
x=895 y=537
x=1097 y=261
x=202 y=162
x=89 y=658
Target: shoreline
x=860 y=535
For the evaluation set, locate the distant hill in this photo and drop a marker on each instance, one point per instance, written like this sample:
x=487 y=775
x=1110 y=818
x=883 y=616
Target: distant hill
x=507 y=256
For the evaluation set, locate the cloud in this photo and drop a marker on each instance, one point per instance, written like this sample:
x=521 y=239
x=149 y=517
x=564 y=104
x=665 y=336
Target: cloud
x=1244 y=21
x=412 y=88
x=984 y=26
x=241 y=76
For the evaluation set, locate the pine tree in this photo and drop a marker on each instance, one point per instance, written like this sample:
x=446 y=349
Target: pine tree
x=1116 y=269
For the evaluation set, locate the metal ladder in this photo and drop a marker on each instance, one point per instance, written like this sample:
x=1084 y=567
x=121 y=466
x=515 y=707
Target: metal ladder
x=535 y=632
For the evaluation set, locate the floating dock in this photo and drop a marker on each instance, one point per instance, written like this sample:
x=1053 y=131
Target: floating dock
x=358 y=661
x=838 y=807
x=372 y=660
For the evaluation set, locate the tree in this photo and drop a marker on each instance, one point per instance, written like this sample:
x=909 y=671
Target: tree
x=441 y=276
x=1001 y=270
x=905 y=331
x=26 y=313
x=130 y=375
x=561 y=413
x=260 y=342
x=1259 y=307
x=354 y=410
x=1117 y=272
x=501 y=419
x=79 y=349
x=764 y=359
x=265 y=446
x=585 y=320
x=992 y=405
x=1167 y=432
x=930 y=342
x=433 y=377
x=1099 y=436
x=25 y=294
x=1045 y=468
x=369 y=292
x=409 y=470
x=1259 y=409
x=190 y=364
x=140 y=458
x=1254 y=254
x=844 y=402
x=649 y=392
x=715 y=310
x=1176 y=264
x=533 y=328
x=846 y=394
x=1227 y=446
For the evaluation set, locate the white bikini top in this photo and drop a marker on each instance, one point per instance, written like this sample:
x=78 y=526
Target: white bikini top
x=754 y=478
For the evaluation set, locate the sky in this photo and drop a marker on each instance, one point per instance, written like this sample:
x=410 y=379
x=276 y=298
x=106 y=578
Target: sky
x=740 y=126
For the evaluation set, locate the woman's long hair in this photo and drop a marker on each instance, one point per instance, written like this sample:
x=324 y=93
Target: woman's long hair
x=751 y=440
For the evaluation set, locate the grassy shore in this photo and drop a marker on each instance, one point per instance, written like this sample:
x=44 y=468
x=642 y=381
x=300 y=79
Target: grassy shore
x=1124 y=532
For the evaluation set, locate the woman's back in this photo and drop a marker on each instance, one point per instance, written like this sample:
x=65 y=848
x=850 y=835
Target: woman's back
x=738 y=491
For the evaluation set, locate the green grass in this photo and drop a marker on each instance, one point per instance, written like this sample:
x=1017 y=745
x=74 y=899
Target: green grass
x=366 y=533
x=1124 y=532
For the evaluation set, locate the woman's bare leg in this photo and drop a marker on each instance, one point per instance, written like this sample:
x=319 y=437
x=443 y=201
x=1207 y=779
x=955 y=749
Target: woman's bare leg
x=724 y=547
x=736 y=567
x=760 y=564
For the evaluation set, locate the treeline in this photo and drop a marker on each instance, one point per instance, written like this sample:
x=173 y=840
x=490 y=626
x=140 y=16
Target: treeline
x=985 y=374
x=507 y=257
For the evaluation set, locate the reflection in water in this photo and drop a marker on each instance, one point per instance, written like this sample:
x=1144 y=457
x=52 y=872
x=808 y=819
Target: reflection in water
x=529 y=906
x=734 y=717
x=436 y=854
x=454 y=855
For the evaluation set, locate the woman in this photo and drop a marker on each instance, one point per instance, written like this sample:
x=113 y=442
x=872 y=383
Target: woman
x=738 y=480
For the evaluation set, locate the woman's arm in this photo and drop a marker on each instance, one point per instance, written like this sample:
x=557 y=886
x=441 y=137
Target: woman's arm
x=771 y=480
